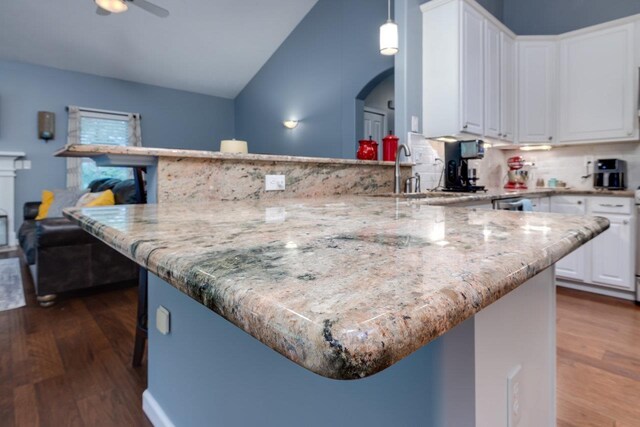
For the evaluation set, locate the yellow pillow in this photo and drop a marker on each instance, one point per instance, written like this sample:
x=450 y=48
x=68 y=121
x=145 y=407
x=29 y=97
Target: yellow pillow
x=47 y=200
x=105 y=199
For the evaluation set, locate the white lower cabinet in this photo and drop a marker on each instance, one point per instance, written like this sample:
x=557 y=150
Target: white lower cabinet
x=573 y=265
x=540 y=204
x=613 y=252
x=608 y=261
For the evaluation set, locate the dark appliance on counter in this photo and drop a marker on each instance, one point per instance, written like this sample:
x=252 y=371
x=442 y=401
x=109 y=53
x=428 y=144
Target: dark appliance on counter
x=610 y=174
x=458 y=176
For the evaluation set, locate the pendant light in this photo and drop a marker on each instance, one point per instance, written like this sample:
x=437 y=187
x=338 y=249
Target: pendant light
x=113 y=6
x=389 y=35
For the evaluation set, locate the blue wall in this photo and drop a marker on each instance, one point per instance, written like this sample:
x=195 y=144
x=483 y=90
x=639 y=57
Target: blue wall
x=408 y=66
x=495 y=7
x=170 y=118
x=527 y=17
x=315 y=77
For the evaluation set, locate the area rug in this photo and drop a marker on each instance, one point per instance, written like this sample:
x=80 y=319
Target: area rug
x=11 y=291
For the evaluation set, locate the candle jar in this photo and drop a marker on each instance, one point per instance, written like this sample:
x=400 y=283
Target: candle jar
x=368 y=150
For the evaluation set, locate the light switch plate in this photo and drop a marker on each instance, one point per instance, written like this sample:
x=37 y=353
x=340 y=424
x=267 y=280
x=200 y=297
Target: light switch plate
x=163 y=320
x=415 y=124
x=274 y=183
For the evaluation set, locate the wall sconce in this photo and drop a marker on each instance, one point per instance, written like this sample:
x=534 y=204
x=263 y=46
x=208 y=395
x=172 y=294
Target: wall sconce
x=290 y=124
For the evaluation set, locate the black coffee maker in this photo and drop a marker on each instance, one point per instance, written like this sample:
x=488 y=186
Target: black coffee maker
x=610 y=174
x=458 y=176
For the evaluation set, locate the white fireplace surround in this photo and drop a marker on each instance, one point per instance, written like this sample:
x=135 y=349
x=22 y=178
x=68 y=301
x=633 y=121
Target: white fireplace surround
x=8 y=189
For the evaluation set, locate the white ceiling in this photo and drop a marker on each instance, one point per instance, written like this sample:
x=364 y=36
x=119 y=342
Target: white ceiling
x=213 y=47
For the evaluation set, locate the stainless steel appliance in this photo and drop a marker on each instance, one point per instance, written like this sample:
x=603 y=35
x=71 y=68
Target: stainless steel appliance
x=513 y=204
x=610 y=174
x=458 y=176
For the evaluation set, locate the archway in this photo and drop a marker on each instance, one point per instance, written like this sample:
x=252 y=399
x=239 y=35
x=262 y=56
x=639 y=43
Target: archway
x=375 y=115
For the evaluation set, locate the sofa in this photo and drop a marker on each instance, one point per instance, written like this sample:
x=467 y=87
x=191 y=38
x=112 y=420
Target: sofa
x=62 y=257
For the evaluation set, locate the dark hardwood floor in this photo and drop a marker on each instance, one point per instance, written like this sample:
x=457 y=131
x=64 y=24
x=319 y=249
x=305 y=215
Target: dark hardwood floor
x=71 y=364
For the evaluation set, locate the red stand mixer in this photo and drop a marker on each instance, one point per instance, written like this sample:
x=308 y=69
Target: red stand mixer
x=517 y=176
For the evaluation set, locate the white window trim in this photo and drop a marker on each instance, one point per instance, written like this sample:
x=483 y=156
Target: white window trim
x=74 y=164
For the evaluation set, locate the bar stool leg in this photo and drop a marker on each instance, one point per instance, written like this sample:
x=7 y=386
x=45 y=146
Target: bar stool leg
x=141 y=321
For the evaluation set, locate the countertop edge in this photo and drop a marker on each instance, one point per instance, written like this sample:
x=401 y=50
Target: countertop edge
x=78 y=150
x=375 y=362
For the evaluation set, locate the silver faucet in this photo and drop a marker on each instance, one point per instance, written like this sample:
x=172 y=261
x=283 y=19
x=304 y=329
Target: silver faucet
x=396 y=177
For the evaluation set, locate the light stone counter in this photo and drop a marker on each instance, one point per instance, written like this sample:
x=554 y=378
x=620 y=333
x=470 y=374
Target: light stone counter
x=442 y=198
x=344 y=287
x=188 y=176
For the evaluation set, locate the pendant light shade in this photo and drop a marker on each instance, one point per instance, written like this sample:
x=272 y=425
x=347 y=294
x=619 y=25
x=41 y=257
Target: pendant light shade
x=389 y=38
x=389 y=35
x=113 y=6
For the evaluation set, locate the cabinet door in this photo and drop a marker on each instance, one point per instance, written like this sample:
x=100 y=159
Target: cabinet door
x=536 y=82
x=613 y=254
x=472 y=71
x=573 y=266
x=492 y=77
x=540 y=204
x=597 y=85
x=507 y=87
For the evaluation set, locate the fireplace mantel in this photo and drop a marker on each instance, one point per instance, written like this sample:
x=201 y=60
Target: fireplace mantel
x=7 y=188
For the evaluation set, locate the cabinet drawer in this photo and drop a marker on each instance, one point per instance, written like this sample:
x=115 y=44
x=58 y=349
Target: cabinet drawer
x=615 y=205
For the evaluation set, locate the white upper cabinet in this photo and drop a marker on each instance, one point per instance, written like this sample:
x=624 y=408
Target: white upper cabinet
x=507 y=87
x=492 y=80
x=461 y=70
x=598 y=85
x=480 y=79
x=472 y=71
x=536 y=90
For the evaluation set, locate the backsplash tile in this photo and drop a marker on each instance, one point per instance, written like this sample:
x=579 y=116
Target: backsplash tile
x=569 y=163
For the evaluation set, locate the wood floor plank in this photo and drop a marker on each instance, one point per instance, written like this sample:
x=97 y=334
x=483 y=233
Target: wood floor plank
x=26 y=406
x=598 y=366
x=574 y=415
x=56 y=403
x=107 y=409
x=35 y=357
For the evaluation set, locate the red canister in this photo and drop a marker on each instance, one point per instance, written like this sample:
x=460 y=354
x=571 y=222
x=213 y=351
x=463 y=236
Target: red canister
x=389 y=147
x=368 y=150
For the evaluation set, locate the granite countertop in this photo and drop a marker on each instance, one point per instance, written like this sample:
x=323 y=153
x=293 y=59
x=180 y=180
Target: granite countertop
x=344 y=287
x=88 y=150
x=441 y=198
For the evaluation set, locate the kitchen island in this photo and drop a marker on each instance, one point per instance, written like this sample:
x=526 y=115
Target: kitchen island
x=422 y=313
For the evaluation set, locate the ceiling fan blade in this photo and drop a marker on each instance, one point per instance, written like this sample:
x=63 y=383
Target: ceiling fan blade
x=151 y=8
x=100 y=11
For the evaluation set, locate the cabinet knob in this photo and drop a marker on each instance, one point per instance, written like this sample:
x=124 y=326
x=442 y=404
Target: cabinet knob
x=579 y=202
x=550 y=138
x=625 y=222
x=465 y=126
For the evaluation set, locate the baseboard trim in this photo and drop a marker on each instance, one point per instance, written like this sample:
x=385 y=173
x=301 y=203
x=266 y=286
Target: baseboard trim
x=630 y=296
x=154 y=411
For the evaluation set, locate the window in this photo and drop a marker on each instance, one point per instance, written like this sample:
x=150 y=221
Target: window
x=100 y=128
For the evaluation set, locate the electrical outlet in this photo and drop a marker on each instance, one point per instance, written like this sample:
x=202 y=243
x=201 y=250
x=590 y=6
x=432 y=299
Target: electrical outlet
x=514 y=397
x=274 y=183
x=163 y=320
